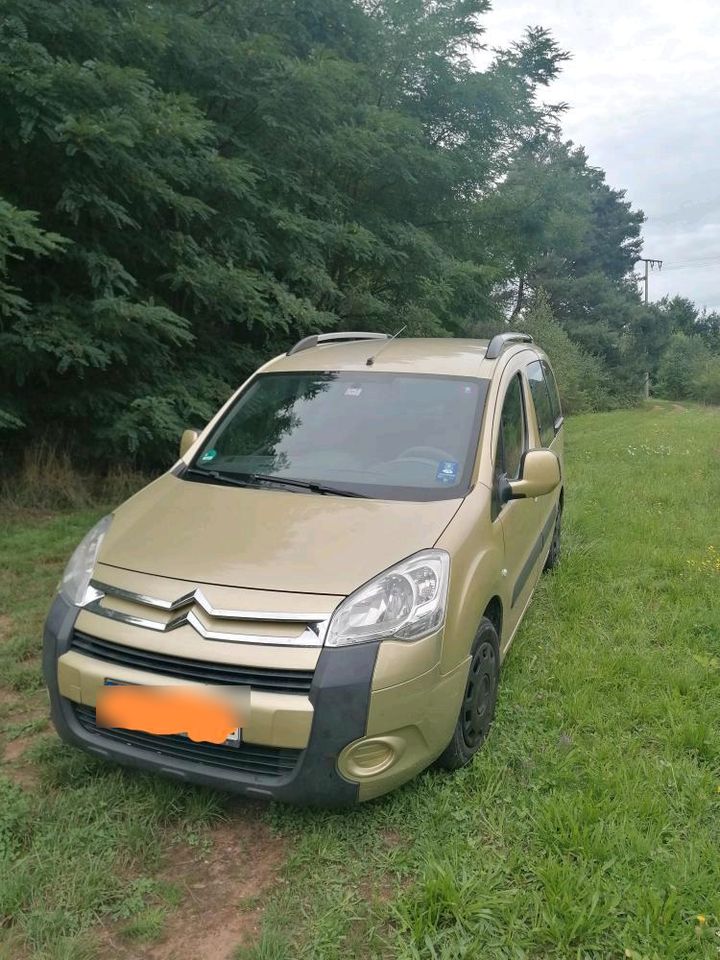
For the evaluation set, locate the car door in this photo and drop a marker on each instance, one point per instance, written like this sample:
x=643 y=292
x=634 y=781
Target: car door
x=520 y=520
x=548 y=424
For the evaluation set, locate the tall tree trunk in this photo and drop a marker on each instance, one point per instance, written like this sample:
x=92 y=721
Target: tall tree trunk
x=520 y=298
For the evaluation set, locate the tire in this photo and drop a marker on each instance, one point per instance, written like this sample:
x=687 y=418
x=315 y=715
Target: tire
x=553 y=557
x=478 y=707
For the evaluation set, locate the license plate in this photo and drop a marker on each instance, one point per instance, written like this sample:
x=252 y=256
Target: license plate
x=233 y=740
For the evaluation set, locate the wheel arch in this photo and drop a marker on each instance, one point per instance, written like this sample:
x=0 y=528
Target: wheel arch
x=494 y=613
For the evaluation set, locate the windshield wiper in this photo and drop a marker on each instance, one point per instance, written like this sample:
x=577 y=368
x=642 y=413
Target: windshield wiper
x=304 y=485
x=224 y=478
x=257 y=479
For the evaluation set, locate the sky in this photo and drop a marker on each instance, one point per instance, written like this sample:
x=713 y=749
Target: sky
x=643 y=90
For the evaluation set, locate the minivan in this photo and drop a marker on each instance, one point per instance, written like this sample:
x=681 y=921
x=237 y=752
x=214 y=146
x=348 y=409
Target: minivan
x=344 y=552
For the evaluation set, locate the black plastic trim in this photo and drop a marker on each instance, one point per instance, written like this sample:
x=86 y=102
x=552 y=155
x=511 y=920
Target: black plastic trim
x=246 y=757
x=186 y=668
x=502 y=340
x=340 y=694
x=537 y=549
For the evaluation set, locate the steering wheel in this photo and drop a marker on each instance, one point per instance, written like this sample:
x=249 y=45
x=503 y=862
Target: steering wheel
x=425 y=453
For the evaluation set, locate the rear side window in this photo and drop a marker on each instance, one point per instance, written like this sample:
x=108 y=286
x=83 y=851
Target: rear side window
x=511 y=441
x=540 y=392
x=554 y=395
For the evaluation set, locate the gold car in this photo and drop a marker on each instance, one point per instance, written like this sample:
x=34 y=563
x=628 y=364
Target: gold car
x=349 y=545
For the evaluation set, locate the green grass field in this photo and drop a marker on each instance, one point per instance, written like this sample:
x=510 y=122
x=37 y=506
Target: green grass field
x=589 y=826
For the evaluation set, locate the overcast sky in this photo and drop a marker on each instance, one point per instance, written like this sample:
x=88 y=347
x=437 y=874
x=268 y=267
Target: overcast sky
x=644 y=94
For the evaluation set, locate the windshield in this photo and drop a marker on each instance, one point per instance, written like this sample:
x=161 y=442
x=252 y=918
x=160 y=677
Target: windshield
x=382 y=435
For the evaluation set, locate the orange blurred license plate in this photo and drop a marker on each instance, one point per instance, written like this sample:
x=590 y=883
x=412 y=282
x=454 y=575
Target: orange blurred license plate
x=202 y=715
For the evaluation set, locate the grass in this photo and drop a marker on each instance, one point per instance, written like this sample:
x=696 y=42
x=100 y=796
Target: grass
x=81 y=841
x=48 y=480
x=588 y=827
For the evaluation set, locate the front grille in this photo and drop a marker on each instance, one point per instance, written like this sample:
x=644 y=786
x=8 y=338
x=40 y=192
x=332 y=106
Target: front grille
x=259 y=678
x=247 y=758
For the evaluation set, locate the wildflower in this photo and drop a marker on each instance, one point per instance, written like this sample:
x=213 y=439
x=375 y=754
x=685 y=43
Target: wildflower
x=701 y=919
x=710 y=563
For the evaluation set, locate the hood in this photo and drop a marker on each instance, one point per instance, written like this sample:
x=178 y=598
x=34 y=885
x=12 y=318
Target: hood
x=267 y=539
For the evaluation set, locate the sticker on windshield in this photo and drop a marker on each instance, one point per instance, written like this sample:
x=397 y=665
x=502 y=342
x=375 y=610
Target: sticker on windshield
x=208 y=456
x=447 y=471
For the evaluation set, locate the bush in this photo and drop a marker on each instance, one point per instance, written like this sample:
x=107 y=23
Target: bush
x=679 y=366
x=705 y=386
x=688 y=370
x=583 y=379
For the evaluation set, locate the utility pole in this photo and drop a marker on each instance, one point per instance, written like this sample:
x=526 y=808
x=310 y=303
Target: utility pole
x=650 y=264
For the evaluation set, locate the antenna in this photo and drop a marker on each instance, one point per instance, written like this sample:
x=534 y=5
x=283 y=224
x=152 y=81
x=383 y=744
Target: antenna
x=371 y=360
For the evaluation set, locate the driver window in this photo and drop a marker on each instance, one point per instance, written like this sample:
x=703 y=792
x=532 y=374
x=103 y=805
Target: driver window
x=513 y=433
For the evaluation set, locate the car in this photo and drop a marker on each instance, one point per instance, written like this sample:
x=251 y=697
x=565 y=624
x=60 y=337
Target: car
x=350 y=544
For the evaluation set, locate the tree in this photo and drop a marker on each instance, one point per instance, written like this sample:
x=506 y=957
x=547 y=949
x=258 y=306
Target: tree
x=681 y=315
x=231 y=176
x=684 y=358
x=19 y=237
x=561 y=229
x=582 y=379
x=707 y=325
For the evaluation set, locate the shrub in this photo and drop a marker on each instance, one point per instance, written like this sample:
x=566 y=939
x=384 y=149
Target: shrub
x=705 y=385
x=583 y=379
x=679 y=365
x=688 y=370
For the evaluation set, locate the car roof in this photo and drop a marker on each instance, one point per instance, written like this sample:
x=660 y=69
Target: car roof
x=443 y=356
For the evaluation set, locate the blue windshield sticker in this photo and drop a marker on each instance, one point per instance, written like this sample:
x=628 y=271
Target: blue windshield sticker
x=447 y=471
x=208 y=456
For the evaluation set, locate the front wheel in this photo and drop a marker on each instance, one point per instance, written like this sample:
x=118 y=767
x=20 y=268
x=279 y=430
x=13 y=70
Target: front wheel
x=478 y=705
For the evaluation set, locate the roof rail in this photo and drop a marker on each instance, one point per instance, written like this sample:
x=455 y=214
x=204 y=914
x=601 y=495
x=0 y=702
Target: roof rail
x=501 y=340
x=318 y=338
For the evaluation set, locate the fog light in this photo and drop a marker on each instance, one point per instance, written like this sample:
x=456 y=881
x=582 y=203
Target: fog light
x=367 y=758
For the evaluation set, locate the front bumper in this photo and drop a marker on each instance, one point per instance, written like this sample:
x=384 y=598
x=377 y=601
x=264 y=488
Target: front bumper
x=340 y=697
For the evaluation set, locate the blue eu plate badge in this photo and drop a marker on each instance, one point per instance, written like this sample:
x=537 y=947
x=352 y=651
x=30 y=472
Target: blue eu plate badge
x=447 y=471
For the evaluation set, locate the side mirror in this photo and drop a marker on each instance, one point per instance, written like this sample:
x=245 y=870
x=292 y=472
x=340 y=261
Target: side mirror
x=539 y=475
x=187 y=440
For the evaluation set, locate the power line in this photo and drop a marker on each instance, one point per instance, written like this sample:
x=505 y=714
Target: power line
x=707 y=256
x=696 y=264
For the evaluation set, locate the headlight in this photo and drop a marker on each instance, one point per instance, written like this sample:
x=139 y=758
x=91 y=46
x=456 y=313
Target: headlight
x=406 y=602
x=80 y=568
